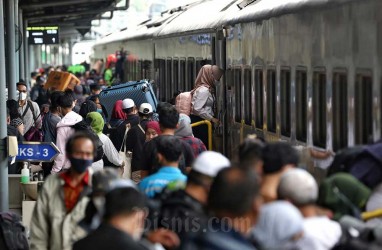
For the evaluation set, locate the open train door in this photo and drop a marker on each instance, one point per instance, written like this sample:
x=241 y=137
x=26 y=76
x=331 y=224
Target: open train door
x=221 y=141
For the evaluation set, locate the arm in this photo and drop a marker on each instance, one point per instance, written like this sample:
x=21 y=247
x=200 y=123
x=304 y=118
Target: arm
x=199 y=101
x=20 y=128
x=60 y=159
x=110 y=151
x=37 y=114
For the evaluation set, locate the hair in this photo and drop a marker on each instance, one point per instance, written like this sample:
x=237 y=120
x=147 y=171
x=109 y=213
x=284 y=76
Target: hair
x=198 y=179
x=12 y=106
x=94 y=98
x=250 y=152
x=233 y=191
x=66 y=100
x=277 y=155
x=21 y=82
x=54 y=99
x=87 y=107
x=170 y=147
x=123 y=201
x=129 y=110
x=168 y=115
x=95 y=87
x=78 y=136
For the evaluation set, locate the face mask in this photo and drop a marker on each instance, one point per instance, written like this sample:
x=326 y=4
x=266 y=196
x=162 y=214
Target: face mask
x=23 y=96
x=99 y=111
x=80 y=165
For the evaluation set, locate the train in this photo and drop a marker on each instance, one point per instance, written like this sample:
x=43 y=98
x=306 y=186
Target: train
x=303 y=71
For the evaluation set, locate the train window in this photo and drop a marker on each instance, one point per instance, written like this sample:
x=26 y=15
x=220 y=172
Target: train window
x=147 y=69
x=190 y=73
x=363 y=103
x=237 y=82
x=340 y=111
x=259 y=91
x=176 y=75
x=182 y=76
x=271 y=100
x=162 y=79
x=319 y=109
x=199 y=64
x=248 y=96
x=301 y=105
x=169 y=85
x=285 y=102
x=138 y=70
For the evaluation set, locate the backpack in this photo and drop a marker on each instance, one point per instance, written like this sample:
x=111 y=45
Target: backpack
x=82 y=126
x=12 y=232
x=183 y=102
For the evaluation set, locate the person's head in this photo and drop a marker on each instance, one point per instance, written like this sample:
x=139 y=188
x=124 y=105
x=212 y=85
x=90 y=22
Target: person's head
x=128 y=106
x=80 y=150
x=152 y=130
x=298 y=187
x=78 y=90
x=168 y=116
x=117 y=112
x=96 y=122
x=145 y=110
x=251 y=155
x=204 y=169
x=13 y=106
x=22 y=90
x=65 y=103
x=169 y=150
x=279 y=223
x=184 y=126
x=278 y=157
x=54 y=97
x=208 y=75
x=33 y=75
x=125 y=208
x=95 y=99
x=234 y=194
x=95 y=89
x=40 y=80
x=87 y=107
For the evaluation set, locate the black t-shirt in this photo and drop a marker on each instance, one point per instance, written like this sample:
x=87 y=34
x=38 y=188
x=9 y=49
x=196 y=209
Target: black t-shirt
x=117 y=134
x=150 y=162
x=135 y=140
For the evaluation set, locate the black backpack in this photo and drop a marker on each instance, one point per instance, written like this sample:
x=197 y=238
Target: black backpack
x=82 y=126
x=12 y=232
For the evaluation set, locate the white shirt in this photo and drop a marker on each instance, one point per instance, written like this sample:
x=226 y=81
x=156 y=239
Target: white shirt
x=110 y=152
x=325 y=232
x=202 y=103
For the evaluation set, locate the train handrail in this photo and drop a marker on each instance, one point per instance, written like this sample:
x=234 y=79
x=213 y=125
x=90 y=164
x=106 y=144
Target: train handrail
x=372 y=214
x=209 y=125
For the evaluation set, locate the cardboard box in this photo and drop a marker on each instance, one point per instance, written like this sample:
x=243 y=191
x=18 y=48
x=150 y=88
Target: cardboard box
x=61 y=81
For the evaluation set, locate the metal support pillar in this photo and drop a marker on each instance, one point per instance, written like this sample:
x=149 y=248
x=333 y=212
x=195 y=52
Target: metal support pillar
x=10 y=45
x=22 y=72
x=4 y=201
x=17 y=53
x=26 y=53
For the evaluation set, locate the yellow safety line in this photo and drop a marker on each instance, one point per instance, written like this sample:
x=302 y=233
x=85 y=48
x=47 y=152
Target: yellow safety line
x=209 y=125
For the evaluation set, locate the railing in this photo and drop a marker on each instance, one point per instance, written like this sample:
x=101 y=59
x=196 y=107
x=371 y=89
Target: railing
x=372 y=214
x=209 y=125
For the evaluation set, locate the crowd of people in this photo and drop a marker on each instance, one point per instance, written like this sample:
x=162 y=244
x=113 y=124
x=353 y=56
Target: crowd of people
x=179 y=195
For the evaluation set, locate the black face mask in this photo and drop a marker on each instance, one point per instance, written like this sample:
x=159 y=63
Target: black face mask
x=80 y=165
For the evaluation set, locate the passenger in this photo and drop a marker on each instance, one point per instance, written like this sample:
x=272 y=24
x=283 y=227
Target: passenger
x=279 y=157
x=100 y=108
x=344 y=195
x=38 y=93
x=64 y=131
x=117 y=115
x=169 y=150
x=97 y=123
x=86 y=108
x=63 y=199
x=15 y=117
x=184 y=132
x=52 y=118
x=136 y=137
x=95 y=89
x=12 y=131
x=128 y=106
x=280 y=226
x=235 y=202
x=251 y=155
x=187 y=206
x=300 y=188
x=79 y=95
x=204 y=99
x=152 y=130
x=124 y=222
x=27 y=108
x=168 y=122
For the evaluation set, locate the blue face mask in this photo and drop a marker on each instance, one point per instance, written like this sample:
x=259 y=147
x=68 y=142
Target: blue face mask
x=80 y=165
x=99 y=111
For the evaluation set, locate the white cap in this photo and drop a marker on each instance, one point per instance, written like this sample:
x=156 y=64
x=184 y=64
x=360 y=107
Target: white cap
x=145 y=108
x=127 y=103
x=209 y=163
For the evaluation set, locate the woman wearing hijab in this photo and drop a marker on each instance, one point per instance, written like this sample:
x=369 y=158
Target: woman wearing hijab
x=117 y=115
x=152 y=130
x=203 y=99
x=184 y=132
x=96 y=122
x=87 y=107
x=15 y=116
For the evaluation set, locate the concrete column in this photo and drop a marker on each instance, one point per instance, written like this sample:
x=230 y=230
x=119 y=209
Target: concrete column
x=10 y=45
x=22 y=72
x=17 y=53
x=4 y=201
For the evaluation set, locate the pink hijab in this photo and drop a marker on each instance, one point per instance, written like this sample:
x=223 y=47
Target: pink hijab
x=207 y=76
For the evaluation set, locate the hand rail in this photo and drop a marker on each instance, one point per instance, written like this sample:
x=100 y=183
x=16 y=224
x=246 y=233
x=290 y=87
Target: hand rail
x=209 y=125
x=372 y=214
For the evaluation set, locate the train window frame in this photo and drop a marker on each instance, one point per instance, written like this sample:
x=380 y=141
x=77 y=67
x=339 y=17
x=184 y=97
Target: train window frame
x=285 y=97
x=271 y=99
x=162 y=78
x=319 y=107
x=247 y=95
x=359 y=119
x=340 y=108
x=301 y=103
x=169 y=83
x=237 y=81
x=182 y=74
x=175 y=77
x=259 y=97
x=190 y=75
x=199 y=63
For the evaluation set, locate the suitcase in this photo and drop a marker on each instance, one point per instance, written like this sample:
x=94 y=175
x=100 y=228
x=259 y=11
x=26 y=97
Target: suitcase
x=140 y=92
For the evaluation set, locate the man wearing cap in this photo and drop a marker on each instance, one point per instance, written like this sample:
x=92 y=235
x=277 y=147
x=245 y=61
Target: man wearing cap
x=128 y=106
x=187 y=206
x=28 y=109
x=136 y=136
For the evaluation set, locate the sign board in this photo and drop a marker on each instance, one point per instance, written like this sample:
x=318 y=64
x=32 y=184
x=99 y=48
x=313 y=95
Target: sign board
x=60 y=81
x=37 y=151
x=43 y=35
